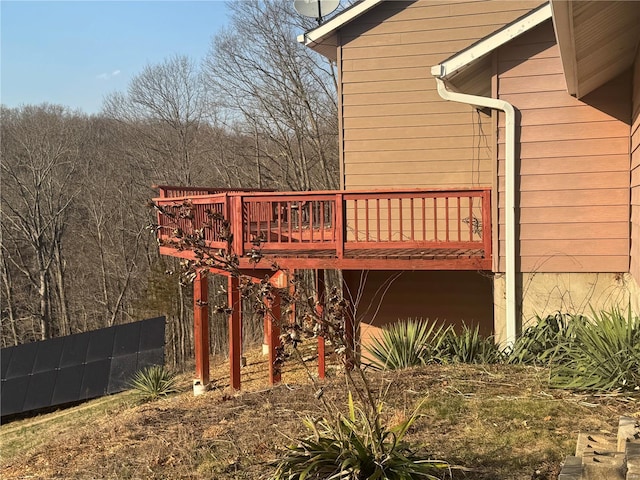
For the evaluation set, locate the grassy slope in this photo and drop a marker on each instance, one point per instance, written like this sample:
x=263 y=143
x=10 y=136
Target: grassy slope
x=502 y=422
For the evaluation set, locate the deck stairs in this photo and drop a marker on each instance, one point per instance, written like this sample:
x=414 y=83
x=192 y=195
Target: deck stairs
x=606 y=456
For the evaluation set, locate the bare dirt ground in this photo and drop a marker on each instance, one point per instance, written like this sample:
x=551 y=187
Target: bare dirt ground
x=499 y=422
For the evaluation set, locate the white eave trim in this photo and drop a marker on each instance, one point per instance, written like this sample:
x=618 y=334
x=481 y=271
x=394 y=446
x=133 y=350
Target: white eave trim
x=317 y=35
x=563 y=26
x=492 y=42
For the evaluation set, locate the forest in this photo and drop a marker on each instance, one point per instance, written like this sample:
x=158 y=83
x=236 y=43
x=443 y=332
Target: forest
x=258 y=111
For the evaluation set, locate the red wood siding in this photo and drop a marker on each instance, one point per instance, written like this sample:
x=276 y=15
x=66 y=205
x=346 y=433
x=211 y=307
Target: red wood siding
x=635 y=173
x=395 y=129
x=574 y=163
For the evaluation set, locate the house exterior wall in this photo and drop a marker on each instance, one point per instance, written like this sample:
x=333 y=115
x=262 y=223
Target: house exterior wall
x=573 y=201
x=451 y=297
x=395 y=129
x=635 y=173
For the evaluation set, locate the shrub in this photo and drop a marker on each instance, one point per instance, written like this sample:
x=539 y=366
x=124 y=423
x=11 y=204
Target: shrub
x=468 y=347
x=405 y=344
x=154 y=382
x=356 y=447
x=603 y=354
x=540 y=343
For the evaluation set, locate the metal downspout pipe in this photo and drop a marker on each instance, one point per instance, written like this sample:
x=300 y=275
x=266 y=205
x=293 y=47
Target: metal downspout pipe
x=509 y=202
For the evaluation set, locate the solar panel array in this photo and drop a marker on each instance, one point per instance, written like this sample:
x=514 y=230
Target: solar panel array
x=77 y=367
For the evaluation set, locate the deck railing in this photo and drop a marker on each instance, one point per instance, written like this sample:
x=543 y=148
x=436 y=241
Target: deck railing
x=333 y=220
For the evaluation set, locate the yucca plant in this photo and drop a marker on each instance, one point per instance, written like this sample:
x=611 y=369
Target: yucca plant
x=404 y=344
x=468 y=346
x=541 y=342
x=154 y=382
x=602 y=354
x=356 y=447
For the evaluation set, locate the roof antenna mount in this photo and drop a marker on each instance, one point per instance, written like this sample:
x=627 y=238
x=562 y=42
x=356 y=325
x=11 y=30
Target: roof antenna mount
x=317 y=9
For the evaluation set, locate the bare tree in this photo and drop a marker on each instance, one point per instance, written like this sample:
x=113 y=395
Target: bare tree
x=39 y=162
x=283 y=94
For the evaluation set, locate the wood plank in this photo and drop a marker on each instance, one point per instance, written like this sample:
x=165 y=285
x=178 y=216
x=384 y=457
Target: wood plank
x=578 y=198
x=417 y=108
x=558 y=115
x=424 y=95
x=415 y=155
x=567 y=231
x=566 y=165
x=572 y=264
x=575 y=131
x=417 y=132
x=551 y=215
x=542 y=247
x=560 y=149
x=452 y=179
x=453 y=141
x=572 y=182
x=531 y=67
x=386 y=86
x=427 y=166
x=354 y=123
x=532 y=49
x=533 y=83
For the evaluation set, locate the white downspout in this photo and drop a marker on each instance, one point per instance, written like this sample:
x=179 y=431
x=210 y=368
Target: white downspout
x=509 y=201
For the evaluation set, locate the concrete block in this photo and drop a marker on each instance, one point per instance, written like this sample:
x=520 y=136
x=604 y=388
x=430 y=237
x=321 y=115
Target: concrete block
x=572 y=469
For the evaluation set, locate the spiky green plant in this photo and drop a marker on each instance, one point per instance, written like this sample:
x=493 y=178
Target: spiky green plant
x=356 y=446
x=602 y=354
x=154 y=382
x=541 y=342
x=468 y=346
x=404 y=344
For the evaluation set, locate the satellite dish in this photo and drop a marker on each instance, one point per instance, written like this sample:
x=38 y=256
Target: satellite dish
x=315 y=8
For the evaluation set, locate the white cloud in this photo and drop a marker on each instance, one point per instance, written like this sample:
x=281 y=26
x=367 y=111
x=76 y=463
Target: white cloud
x=107 y=76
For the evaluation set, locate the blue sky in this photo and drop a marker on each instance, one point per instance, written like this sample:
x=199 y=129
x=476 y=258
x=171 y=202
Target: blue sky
x=73 y=53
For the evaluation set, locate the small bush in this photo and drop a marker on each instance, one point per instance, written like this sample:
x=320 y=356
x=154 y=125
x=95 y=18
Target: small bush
x=405 y=344
x=356 y=447
x=540 y=343
x=602 y=355
x=154 y=382
x=468 y=347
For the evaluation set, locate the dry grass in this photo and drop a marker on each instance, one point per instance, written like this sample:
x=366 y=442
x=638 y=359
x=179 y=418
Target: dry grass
x=501 y=422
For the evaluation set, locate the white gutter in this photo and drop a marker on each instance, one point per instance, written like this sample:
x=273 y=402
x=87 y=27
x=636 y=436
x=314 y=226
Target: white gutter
x=509 y=201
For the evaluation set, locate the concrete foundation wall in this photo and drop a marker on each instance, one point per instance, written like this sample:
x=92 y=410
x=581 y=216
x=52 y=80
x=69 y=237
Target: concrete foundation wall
x=543 y=294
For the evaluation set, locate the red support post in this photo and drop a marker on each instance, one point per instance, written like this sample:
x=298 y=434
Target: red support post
x=272 y=317
x=201 y=326
x=320 y=296
x=235 y=332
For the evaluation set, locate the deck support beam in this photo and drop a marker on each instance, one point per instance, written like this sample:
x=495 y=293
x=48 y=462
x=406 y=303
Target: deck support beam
x=349 y=329
x=235 y=331
x=201 y=327
x=320 y=298
x=272 y=318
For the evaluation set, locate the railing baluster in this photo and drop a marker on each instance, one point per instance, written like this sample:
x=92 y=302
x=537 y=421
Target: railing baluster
x=446 y=217
x=322 y=220
x=435 y=219
x=300 y=217
x=312 y=208
x=471 y=219
x=378 y=220
x=289 y=220
x=459 y=220
x=424 y=220
x=400 y=237
x=366 y=219
x=389 y=219
x=412 y=219
x=355 y=219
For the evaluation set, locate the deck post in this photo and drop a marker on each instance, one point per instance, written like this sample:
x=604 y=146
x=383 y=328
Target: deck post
x=272 y=316
x=349 y=329
x=340 y=225
x=201 y=329
x=235 y=331
x=320 y=297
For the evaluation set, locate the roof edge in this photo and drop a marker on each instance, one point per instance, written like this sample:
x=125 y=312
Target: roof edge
x=317 y=35
x=488 y=44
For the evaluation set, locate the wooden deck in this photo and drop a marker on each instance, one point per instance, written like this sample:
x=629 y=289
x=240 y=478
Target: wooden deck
x=375 y=230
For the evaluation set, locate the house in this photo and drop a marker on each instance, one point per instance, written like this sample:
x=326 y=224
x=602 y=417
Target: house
x=490 y=164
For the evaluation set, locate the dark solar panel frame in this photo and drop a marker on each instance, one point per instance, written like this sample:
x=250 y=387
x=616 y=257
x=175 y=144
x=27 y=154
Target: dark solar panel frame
x=77 y=367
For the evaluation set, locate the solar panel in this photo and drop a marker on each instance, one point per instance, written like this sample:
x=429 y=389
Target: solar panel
x=77 y=367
